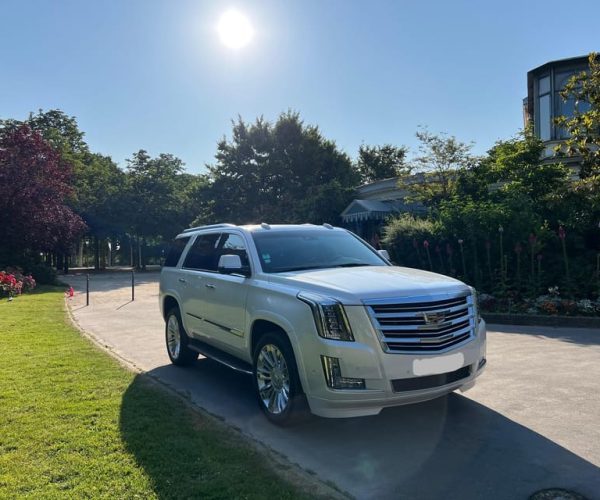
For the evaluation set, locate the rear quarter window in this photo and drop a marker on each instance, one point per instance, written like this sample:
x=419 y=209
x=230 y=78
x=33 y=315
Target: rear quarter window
x=175 y=250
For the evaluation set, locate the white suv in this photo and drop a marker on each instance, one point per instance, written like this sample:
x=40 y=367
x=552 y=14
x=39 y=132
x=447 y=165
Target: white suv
x=315 y=311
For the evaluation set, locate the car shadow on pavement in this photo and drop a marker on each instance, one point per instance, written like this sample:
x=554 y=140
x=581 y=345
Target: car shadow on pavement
x=581 y=336
x=452 y=447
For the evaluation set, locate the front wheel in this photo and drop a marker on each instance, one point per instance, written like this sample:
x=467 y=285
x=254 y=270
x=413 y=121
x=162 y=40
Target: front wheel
x=177 y=340
x=276 y=379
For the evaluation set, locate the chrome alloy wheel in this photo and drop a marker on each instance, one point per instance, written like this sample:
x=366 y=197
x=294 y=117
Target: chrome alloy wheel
x=173 y=336
x=273 y=379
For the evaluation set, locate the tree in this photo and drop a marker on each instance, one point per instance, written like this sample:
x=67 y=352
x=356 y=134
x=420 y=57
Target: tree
x=283 y=172
x=100 y=198
x=583 y=128
x=153 y=197
x=35 y=186
x=440 y=161
x=514 y=166
x=381 y=162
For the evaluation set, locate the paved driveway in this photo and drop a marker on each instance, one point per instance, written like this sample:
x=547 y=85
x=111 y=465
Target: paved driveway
x=532 y=421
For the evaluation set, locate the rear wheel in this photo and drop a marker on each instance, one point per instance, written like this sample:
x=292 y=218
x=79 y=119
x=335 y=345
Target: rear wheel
x=177 y=340
x=276 y=379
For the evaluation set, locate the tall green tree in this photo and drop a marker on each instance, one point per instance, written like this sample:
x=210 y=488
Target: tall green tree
x=584 y=126
x=440 y=161
x=280 y=172
x=381 y=162
x=154 y=198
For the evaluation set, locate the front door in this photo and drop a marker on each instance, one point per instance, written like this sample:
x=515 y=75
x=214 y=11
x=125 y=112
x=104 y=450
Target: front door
x=224 y=299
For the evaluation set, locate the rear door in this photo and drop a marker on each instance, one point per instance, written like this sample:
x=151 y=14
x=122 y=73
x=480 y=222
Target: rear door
x=200 y=261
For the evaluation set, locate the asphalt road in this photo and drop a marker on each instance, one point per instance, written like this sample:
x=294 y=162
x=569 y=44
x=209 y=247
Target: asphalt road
x=531 y=422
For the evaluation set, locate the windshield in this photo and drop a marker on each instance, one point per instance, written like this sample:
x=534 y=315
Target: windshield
x=284 y=251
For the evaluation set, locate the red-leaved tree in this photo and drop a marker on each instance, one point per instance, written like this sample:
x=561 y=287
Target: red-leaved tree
x=34 y=189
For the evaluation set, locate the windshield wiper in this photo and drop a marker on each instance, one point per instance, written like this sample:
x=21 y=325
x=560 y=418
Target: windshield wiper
x=353 y=264
x=307 y=268
x=300 y=268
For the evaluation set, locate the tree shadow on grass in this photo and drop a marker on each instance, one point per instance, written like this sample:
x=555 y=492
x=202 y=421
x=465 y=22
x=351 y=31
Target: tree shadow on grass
x=447 y=448
x=187 y=455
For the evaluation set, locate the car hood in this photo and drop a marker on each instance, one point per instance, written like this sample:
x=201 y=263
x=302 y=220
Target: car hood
x=353 y=285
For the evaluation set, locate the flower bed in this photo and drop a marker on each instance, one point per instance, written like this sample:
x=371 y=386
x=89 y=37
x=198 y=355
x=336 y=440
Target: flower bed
x=550 y=304
x=13 y=282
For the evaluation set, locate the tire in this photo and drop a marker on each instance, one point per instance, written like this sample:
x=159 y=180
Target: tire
x=275 y=368
x=177 y=340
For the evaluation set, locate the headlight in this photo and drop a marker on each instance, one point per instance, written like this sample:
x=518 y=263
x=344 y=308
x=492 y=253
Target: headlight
x=475 y=305
x=330 y=318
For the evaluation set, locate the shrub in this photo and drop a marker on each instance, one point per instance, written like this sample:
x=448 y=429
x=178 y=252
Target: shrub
x=408 y=239
x=13 y=282
x=44 y=275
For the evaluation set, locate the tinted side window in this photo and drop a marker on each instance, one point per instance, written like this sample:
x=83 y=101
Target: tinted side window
x=233 y=244
x=203 y=255
x=175 y=251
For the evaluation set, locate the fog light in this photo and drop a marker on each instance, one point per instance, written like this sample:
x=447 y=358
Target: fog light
x=333 y=375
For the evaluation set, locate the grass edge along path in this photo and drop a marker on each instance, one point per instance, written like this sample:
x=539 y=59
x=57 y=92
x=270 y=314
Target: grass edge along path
x=76 y=424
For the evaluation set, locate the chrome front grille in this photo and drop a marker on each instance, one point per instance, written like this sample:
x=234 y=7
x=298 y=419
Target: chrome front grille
x=431 y=323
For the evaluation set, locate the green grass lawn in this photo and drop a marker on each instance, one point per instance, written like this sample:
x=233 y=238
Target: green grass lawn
x=74 y=423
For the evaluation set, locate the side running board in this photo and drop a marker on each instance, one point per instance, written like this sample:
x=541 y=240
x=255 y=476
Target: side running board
x=219 y=356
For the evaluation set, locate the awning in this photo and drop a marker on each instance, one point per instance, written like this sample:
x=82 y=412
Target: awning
x=361 y=210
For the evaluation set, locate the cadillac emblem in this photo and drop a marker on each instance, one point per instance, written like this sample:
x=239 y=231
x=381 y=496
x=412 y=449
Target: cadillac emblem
x=434 y=318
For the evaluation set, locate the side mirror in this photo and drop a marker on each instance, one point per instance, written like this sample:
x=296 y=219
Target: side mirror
x=232 y=264
x=384 y=253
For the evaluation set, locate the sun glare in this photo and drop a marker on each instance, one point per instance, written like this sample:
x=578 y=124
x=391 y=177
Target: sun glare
x=235 y=29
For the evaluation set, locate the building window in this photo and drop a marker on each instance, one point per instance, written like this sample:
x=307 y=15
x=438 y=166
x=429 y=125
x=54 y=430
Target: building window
x=566 y=107
x=549 y=104
x=545 y=112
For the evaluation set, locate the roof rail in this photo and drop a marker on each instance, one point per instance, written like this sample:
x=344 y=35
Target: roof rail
x=210 y=226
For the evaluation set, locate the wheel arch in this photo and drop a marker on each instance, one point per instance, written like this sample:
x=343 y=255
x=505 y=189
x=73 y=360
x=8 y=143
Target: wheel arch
x=262 y=326
x=168 y=303
x=266 y=322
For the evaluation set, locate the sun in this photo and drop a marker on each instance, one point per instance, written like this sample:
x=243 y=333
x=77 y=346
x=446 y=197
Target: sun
x=235 y=29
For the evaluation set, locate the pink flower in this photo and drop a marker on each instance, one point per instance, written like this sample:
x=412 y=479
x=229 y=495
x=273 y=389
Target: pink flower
x=561 y=233
x=426 y=244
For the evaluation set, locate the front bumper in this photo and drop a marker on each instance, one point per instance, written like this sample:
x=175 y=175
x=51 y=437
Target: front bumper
x=428 y=376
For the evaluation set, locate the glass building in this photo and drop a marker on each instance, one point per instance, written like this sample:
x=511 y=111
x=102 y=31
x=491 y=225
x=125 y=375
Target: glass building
x=544 y=102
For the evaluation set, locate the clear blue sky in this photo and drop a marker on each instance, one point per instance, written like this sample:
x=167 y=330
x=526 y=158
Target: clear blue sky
x=153 y=74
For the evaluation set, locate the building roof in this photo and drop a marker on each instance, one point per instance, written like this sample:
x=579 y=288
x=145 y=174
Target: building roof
x=567 y=61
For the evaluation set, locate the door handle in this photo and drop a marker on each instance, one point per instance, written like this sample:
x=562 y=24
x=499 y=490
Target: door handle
x=210 y=285
x=182 y=280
